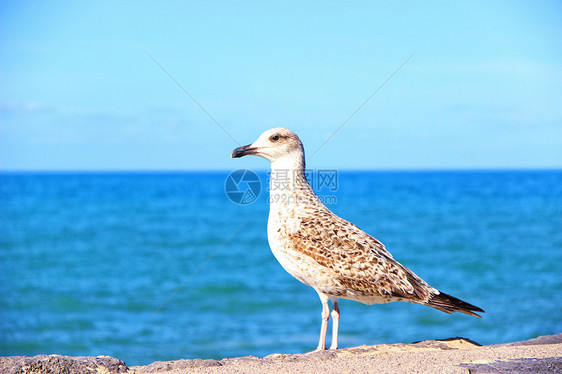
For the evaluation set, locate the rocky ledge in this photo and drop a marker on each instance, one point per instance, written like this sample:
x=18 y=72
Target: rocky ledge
x=456 y=355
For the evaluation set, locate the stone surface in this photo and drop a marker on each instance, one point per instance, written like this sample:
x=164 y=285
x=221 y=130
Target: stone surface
x=546 y=339
x=455 y=355
x=523 y=365
x=62 y=364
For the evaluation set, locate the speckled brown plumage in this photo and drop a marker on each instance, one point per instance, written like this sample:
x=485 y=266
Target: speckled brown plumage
x=325 y=251
x=358 y=264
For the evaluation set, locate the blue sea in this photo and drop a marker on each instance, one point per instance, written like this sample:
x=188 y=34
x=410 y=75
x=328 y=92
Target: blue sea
x=164 y=266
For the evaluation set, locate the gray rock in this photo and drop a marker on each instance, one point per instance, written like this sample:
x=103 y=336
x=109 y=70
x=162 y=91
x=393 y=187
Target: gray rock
x=523 y=365
x=164 y=366
x=545 y=339
x=61 y=364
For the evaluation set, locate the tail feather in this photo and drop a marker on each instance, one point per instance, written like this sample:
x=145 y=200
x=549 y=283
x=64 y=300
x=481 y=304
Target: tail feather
x=450 y=304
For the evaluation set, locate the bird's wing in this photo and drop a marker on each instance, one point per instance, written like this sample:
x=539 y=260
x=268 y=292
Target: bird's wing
x=360 y=262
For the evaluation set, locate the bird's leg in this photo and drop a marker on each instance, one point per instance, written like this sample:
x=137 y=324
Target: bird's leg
x=325 y=319
x=335 y=324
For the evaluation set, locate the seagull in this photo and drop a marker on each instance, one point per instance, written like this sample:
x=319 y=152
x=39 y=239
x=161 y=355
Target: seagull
x=326 y=252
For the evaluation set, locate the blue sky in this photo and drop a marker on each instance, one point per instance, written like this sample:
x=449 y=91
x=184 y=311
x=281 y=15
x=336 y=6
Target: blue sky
x=80 y=91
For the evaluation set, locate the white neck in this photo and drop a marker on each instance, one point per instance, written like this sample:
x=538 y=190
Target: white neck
x=289 y=171
x=288 y=187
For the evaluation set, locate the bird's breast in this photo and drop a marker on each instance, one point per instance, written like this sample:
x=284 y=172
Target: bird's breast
x=281 y=230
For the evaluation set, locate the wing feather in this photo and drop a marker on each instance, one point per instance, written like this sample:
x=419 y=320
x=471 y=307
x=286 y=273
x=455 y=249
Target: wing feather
x=360 y=263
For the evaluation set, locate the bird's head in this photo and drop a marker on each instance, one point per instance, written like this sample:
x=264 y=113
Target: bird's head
x=273 y=145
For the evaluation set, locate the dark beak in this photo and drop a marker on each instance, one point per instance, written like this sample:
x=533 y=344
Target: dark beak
x=243 y=151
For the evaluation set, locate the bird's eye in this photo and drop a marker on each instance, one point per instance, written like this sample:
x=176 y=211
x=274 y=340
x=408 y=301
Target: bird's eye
x=274 y=138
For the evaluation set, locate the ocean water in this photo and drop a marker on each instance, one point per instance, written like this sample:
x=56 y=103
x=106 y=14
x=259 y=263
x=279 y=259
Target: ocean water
x=163 y=266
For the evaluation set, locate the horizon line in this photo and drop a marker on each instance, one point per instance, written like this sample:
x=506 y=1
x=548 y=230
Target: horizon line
x=185 y=171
